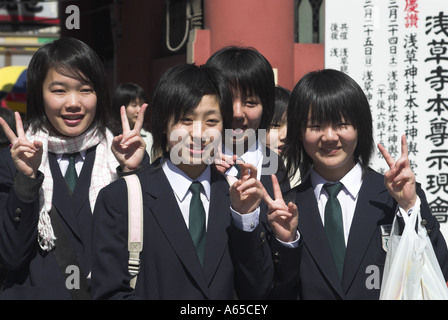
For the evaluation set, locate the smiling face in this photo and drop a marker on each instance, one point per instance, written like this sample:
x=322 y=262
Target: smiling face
x=331 y=147
x=194 y=138
x=69 y=104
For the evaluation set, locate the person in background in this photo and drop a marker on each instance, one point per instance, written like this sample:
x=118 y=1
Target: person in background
x=333 y=227
x=58 y=162
x=276 y=133
x=132 y=96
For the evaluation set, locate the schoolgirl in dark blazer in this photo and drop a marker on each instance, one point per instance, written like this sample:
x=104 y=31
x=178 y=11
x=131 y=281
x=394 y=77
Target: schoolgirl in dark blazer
x=330 y=139
x=45 y=238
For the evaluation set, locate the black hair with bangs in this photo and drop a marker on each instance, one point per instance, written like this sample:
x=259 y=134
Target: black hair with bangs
x=71 y=58
x=179 y=91
x=248 y=73
x=330 y=96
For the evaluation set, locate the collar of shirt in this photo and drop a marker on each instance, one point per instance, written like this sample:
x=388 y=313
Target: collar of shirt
x=254 y=155
x=79 y=161
x=348 y=196
x=180 y=182
x=352 y=182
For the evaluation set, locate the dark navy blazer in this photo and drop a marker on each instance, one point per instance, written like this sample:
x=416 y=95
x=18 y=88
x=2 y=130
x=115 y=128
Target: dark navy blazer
x=309 y=272
x=170 y=268
x=32 y=273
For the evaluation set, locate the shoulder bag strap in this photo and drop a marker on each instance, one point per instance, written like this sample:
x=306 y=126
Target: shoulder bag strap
x=135 y=228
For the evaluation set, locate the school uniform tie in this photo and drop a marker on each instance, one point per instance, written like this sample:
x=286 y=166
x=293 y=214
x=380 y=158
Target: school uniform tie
x=333 y=225
x=70 y=175
x=197 y=220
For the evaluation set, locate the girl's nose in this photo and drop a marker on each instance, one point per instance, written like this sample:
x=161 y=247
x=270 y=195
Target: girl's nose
x=282 y=133
x=329 y=133
x=238 y=109
x=73 y=100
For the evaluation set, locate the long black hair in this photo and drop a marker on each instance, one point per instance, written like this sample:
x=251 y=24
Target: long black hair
x=329 y=95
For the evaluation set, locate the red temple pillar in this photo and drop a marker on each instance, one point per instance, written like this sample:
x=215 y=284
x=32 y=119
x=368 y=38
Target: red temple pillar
x=267 y=25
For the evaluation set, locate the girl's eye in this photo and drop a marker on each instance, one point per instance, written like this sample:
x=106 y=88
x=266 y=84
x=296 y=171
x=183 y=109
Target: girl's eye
x=315 y=127
x=275 y=125
x=86 y=90
x=213 y=121
x=343 y=125
x=251 y=104
x=186 y=120
x=58 y=91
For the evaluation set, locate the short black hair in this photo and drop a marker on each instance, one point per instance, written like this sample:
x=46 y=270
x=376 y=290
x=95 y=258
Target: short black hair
x=330 y=95
x=125 y=93
x=248 y=71
x=179 y=90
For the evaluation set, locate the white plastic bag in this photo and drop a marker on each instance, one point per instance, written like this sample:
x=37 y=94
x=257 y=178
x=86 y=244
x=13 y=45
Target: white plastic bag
x=411 y=270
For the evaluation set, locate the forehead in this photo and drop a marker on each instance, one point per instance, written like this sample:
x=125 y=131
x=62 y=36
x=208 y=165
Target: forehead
x=208 y=104
x=54 y=77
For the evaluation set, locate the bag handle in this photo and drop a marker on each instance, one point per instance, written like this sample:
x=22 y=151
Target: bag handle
x=135 y=228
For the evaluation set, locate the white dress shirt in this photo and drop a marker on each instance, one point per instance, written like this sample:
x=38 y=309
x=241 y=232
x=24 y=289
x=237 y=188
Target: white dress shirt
x=79 y=162
x=348 y=196
x=180 y=183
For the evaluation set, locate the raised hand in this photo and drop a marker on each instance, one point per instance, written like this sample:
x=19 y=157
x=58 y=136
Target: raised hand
x=400 y=180
x=26 y=155
x=247 y=192
x=283 y=218
x=223 y=163
x=129 y=147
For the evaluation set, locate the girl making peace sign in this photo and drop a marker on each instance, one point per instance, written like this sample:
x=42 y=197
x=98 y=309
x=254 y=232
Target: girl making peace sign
x=314 y=256
x=69 y=133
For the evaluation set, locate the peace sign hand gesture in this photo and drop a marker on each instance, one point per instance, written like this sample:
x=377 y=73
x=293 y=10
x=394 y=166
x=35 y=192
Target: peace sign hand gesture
x=26 y=155
x=129 y=147
x=283 y=218
x=400 y=180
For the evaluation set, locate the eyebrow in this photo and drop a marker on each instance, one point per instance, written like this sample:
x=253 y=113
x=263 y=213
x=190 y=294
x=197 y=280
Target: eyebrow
x=56 y=83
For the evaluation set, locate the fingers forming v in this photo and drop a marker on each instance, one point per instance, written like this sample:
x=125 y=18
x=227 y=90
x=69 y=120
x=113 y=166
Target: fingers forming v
x=277 y=192
x=141 y=116
x=124 y=120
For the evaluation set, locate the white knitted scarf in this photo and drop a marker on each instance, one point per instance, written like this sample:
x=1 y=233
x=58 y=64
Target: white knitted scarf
x=103 y=173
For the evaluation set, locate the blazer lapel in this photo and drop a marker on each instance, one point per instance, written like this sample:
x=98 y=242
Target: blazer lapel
x=61 y=197
x=81 y=193
x=313 y=235
x=218 y=220
x=369 y=210
x=170 y=220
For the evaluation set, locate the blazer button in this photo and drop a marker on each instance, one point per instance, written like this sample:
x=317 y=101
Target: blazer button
x=276 y=257
x=17 y=211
